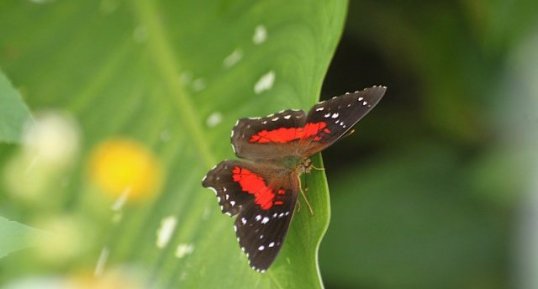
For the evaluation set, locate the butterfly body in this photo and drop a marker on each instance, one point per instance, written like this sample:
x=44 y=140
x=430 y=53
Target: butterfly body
x=262 y=187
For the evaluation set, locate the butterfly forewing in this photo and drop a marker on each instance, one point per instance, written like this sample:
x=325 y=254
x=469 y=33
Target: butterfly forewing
x=338 y=115
x=268 y=137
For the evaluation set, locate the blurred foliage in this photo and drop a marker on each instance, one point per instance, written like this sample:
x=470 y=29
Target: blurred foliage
x=427 y=193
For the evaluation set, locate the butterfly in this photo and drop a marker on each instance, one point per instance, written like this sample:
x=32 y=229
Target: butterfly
x=261 y=188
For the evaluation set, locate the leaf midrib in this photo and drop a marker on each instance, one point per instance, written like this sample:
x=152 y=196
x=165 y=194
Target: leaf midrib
x=168 y=65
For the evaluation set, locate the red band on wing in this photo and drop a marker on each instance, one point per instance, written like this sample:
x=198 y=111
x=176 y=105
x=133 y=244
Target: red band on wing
x=254 y=185
x=284 y=135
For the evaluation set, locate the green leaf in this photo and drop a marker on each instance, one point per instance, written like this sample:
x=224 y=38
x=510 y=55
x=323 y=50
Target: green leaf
x=176 y=76
x=13 y=112
x=15 y=236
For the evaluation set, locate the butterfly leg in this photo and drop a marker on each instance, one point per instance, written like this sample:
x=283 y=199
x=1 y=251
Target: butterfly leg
x=316 y=168
x=304 y=196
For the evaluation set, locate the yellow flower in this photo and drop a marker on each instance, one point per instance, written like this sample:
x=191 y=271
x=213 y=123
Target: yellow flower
x=125 y=168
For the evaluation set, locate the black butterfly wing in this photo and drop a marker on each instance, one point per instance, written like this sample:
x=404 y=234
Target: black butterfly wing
x=291 y=133
x=263 y=197
x=258 y=138
x=262 y=233
x=338 y=115
x=229 y=194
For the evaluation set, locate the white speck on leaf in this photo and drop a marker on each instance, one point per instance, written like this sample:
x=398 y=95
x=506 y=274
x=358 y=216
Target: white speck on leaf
x=260 y=35
x=184 y=249
x=165 y=135
x=214 y=119
x=140 y=34
x=233 y=58
x=120 y=201
x=265 y=82
x=168 y=225
x=198 y=84
x=101 y=262
x=185 y=77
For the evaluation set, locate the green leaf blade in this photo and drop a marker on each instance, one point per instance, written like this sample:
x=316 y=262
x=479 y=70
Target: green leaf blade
x=14 y=113
x=160 y=76
x=15 y=236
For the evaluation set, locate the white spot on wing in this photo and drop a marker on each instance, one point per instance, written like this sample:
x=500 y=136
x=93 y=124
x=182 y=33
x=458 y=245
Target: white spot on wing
x=214 y=119
x=233 y=58
x=232 y=203
x=265 y=220
x=243 y=220
x=261 y=248
x=271 y=245
x=260 y=35
x=214 y=190
x=320 y=108
x=258 y=217
x=265 y=82
x=165 y=231
x=335 y=115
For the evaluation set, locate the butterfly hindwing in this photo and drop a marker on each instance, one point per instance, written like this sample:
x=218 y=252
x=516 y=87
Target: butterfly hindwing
x=228 y=192
x=263 y=198
x=261 y=233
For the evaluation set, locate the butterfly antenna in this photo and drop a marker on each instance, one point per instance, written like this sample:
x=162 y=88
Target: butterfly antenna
x=304 y=196
x=352 y=131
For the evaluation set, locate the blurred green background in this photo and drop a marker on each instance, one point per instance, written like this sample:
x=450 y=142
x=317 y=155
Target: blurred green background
x=432 y=190
x=437 y=188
